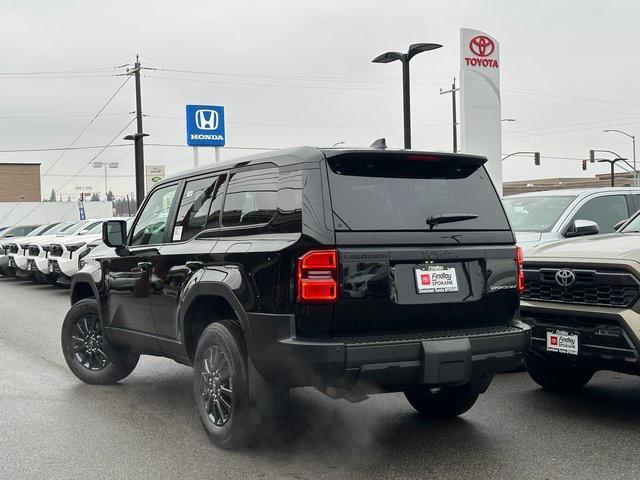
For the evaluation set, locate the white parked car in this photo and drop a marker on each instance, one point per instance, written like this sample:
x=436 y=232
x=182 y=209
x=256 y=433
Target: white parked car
x=65 y=254
x=10 y=244
x=36 y=254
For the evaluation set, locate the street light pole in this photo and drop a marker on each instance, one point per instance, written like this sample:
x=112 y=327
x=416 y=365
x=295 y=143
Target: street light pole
x=612 y=162
x=405 y=58
x=633 y=142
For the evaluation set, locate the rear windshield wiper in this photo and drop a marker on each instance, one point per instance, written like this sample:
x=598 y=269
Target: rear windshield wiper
x=434 y=220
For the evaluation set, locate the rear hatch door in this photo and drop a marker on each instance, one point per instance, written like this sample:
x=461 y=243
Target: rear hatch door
x=423 y=242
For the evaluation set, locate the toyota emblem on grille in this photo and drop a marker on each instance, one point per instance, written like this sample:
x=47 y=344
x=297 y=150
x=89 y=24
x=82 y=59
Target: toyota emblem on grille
x=565 y=278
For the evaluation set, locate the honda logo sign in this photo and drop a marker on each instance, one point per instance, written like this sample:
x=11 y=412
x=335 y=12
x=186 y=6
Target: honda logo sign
x=205 y=126
x=207 y=119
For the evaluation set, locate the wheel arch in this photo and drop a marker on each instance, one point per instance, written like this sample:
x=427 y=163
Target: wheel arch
x=82 y=288
x=207 y=304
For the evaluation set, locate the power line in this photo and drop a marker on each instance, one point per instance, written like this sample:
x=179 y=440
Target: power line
x=543 y=93
x=116 y=136
x=297 y=77
x=61 y=72
x=569 y=107
x=59 y=149
x=227 y=147
x=37 y=117
x=78 y=172
x=88 y=125
x=274 y=85
x=288 y=125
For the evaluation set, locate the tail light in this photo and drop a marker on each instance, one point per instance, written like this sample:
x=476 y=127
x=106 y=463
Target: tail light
x=519 y=269
x=318 y=277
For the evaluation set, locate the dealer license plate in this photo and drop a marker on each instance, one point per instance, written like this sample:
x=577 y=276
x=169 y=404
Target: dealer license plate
x=562 y=342
x=436 y=279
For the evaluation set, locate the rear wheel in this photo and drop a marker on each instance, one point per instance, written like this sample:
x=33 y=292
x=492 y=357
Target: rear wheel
x=87 y=351
x=221 y=385
x=556 y=377
x=446 y=402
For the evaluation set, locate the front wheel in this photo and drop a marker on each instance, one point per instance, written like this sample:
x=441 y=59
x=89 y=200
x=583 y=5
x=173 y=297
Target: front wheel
x=87 y=351
x=446 y=402
x=221 y=386
x=556 y=377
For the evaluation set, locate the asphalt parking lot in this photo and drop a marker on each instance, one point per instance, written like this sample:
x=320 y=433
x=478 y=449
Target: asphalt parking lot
x=53 y=426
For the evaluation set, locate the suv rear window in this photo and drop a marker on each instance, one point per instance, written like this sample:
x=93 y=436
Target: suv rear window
x=377 y=191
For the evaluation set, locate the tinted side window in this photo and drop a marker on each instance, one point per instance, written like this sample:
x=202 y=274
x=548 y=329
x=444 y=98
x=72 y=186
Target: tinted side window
x=251 y=198
x=605 y=211
x=216 y=205
x=194 y=207
x=150 y=227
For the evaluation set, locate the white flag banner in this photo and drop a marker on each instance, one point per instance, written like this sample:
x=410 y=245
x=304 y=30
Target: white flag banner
x=480 y=99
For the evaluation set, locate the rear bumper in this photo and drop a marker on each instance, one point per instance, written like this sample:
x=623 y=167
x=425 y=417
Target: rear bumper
x=394 y=362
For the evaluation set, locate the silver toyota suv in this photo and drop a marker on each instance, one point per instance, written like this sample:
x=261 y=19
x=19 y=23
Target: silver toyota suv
x=581 y=299
x=542 y=217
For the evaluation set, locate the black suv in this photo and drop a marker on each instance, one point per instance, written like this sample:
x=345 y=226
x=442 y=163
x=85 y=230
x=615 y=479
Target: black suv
x=353 y=271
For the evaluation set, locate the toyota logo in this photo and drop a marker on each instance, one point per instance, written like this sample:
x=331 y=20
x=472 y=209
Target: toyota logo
x=565 y=278
x=482 y=46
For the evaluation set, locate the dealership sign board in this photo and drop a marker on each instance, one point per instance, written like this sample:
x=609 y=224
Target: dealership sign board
x=480 y=106
x=153 y=174
x=205 y=126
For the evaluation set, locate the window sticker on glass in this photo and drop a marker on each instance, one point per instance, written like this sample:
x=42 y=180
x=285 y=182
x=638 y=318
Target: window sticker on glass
x=189 y=194
x=177 y=234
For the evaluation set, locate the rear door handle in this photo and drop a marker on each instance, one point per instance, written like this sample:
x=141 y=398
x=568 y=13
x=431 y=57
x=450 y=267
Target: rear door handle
x=194 y=265
x=145 y=266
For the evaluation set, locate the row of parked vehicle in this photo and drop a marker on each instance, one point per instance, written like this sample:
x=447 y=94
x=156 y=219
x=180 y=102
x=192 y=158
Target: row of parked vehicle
x=49 y=253
x=352 y=271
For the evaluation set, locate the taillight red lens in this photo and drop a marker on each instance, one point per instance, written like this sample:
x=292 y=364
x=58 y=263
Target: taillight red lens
x=318 y=277
x=520 y=271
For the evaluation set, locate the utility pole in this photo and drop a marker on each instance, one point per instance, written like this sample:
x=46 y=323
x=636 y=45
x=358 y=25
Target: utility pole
x=138 y=136
x=139 y=150
x=454 y=111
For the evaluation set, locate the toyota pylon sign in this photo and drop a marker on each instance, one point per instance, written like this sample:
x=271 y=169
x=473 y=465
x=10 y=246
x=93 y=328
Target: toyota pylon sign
x=480 y=99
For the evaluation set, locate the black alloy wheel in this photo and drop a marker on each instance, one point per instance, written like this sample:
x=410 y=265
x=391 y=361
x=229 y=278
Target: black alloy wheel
x=216 y=386
x=88 y=343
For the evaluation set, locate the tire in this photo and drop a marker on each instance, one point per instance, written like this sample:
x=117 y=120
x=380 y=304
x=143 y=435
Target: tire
x=449 y=402
x=87 y=351
x=40 y=278
x=221 y=385
x=555 y=377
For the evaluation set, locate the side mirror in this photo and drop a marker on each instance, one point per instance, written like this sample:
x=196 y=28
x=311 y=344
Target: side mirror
x=114 y=233
x=580 y=228
x=617 y=226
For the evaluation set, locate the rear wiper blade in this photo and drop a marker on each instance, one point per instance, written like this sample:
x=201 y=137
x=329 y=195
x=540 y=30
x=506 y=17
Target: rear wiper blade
x=434 y=220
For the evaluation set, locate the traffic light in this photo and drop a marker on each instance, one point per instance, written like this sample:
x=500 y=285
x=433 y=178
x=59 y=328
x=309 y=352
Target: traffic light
x=536 y=158
x=584 y=163
x=592 y=157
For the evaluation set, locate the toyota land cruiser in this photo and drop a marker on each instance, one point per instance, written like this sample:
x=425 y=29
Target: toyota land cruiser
x=352 y=271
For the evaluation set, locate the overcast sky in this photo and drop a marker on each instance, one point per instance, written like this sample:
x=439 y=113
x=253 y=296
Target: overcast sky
x=299 y=72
